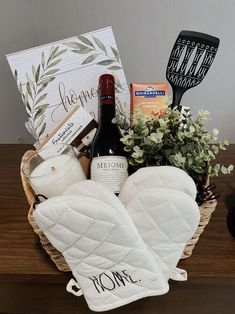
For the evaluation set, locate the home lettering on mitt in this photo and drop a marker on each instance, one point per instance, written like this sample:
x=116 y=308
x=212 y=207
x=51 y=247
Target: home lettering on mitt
x=112 y=280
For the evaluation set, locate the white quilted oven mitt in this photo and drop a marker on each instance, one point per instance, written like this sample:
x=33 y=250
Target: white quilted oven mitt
x=170 y=180
x=178 y=217
x=166 y=219
x=103 y=249
x=157 y=177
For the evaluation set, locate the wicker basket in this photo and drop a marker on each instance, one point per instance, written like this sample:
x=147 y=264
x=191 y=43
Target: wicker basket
x=206 y=210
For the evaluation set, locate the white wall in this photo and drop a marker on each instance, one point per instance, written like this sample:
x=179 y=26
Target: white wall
x=17 y=31
x=145 y=32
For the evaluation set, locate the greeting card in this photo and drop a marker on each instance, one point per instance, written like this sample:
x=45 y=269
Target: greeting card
x=56 y=77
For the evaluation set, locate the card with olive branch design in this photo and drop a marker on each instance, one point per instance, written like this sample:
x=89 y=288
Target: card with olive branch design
x=54 y=78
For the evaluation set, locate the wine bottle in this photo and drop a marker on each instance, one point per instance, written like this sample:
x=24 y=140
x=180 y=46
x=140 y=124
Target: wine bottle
x=109 y=164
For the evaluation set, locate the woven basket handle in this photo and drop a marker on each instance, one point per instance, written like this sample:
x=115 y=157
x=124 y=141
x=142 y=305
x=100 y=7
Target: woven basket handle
x=26 y=186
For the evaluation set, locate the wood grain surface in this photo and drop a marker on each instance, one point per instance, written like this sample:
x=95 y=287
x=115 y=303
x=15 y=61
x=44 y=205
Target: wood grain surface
x=30 y=282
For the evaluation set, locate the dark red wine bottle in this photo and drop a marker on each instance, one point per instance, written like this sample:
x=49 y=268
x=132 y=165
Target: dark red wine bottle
x=109 y=164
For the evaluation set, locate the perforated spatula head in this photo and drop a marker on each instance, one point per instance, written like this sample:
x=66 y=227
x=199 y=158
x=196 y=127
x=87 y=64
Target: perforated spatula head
x=191 y=57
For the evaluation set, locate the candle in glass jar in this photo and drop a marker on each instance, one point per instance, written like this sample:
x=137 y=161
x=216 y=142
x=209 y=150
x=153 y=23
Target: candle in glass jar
x=53 y=175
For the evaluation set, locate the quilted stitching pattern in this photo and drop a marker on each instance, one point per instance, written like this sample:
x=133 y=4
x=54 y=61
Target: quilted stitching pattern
x=96 y=240
x=157 y=177
x=172 y=218
x=165 y=218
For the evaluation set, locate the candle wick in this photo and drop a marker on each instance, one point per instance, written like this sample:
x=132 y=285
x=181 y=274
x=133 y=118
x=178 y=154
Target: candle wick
x=52 y=169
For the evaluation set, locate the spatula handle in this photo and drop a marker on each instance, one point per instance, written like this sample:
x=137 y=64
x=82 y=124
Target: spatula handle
x=177 y=95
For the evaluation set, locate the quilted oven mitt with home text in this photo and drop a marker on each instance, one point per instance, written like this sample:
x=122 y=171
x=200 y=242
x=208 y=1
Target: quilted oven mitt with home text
x=103 y=249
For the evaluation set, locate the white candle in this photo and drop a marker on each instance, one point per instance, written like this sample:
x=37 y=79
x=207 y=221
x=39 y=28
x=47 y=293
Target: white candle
x=55 y=174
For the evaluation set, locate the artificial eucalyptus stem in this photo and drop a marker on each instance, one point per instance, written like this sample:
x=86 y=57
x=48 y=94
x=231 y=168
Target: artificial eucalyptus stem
x=174 y=139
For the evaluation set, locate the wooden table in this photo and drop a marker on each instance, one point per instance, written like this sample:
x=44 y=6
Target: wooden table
x=30 y=282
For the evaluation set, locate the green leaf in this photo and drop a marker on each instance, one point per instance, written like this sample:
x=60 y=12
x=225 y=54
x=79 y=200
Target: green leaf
x=47 y=80
x=44 y=106
x=54 y=63
x=105 y=62
x=117 y=90
x=75 y=45
x=60 y=53
x=28 y=107
x=116 y=54
x=89 y=59
x=40 y=99
x=38 y=113
x=191 y=128
x=39 y=121
x=224 y=169
x=52 y=54
x=230 y=168
x=43 y=59
x=51 y=72
x=42 y=129
x=26 y=98
x=30 y=82
x=115 y=67
x=29 y=89
x=118 y=83
x=37 y=73
x=33 y=71
x=86 y=41
x=42 y=88
x=82 y=51
x=100 y=44
x=23 y=97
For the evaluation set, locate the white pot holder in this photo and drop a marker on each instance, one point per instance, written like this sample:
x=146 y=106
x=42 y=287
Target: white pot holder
x=103 y=249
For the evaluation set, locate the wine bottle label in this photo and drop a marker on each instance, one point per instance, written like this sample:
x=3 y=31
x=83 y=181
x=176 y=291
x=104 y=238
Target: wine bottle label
x=107 y=97
x=110 y=170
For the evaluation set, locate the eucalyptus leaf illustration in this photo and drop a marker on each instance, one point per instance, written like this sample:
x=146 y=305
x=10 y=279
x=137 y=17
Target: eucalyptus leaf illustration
x=54 y=63
x=42 y=130
x=43 y=106
x=33 y=93
x=41 y=98
x=39 y=121
x=117 y=82
x=60 y=53
x=37 y=73
x=24 y=98
x=85 y=40
x=46 y=80
x=75 y=45
x=121 y=106
x=42 y=88
x=34 y=71
x=115 y=67
x=43 y=59
x=82 y=51
x=100 y=44
x=38 y=113
x=87 y=46
x=121 y=118
x=29 y=90
x=105 y=62
x=52 y=54
x=28 y=107
x=51 y=72
x=31 y=85
x=90 y=58
x=116 y=54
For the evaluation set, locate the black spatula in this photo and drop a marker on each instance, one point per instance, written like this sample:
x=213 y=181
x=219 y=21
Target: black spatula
x=191 y=57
